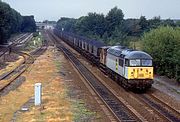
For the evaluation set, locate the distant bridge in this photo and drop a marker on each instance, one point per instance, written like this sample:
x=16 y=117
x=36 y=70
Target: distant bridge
x=41 y=25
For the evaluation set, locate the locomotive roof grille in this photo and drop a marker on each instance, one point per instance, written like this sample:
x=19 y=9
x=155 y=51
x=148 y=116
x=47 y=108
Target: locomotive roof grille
x=123 y=52
x=138 y=55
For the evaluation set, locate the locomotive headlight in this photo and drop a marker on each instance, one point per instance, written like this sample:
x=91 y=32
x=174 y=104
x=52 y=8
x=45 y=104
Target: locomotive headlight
x=132 y=73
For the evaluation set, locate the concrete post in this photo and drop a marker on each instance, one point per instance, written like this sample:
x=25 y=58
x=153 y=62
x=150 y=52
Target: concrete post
x=37 y=97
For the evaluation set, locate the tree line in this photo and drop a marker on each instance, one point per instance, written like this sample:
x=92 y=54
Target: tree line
x=160 y=38
x=12 y=22
x=112 y=28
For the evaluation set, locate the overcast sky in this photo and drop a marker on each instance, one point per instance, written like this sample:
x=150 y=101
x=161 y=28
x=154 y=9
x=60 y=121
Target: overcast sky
x=54 y=9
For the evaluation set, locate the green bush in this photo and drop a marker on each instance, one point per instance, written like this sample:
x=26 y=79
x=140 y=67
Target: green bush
x=163 y=44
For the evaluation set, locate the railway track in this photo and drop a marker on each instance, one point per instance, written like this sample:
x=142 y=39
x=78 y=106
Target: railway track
x=10 y=76
x=7 y=78
x=120 y=111
x=22 y=39
x=164 y=110
x=15 y=42
x=3 y=51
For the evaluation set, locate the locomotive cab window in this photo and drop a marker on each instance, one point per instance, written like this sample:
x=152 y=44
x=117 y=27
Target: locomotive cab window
x=142 y=62
x=126 y=62
x=121 y=62
x=146 y=62
x=135 y=62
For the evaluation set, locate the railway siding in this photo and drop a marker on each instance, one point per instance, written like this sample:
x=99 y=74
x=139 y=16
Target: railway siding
x=165 y=110
x=11 y=66
x=22 y=65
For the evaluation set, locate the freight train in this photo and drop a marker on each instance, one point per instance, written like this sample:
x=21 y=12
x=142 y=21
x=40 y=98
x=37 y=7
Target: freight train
x=131 y=69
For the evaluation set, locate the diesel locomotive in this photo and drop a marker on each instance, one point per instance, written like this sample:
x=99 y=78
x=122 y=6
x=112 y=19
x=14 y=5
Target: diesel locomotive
x=132 y=69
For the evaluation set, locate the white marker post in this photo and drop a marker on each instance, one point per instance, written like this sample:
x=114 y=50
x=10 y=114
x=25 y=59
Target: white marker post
x=38 y=90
